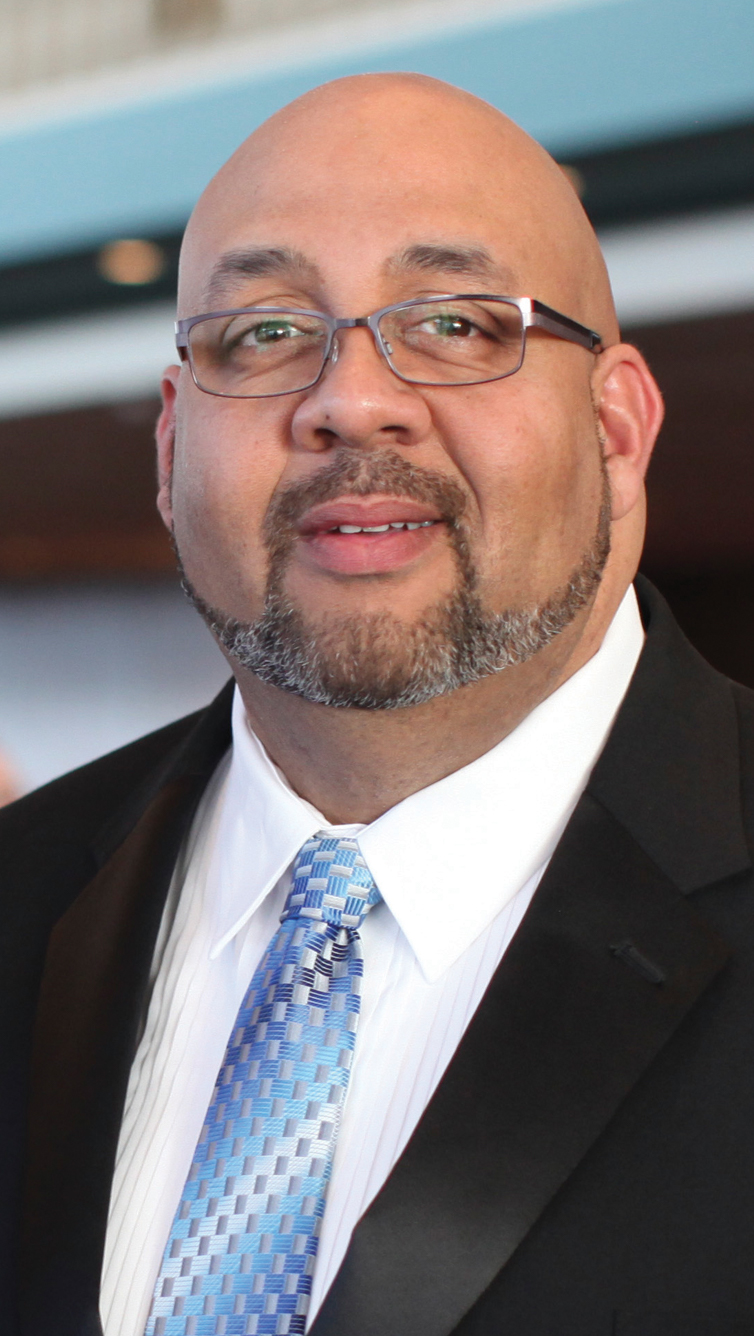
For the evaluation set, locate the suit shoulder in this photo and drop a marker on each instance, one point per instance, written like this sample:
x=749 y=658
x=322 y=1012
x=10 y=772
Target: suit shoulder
x=61 y=818
x=51 y=840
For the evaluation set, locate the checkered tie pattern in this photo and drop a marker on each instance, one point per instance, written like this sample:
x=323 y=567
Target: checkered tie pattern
x=241 y=1252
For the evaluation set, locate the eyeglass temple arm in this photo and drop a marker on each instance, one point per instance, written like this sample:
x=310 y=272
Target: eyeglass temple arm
x=545 y=318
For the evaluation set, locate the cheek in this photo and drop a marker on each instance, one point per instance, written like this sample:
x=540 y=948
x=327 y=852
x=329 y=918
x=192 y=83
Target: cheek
x=226 y=468
x=532 y=466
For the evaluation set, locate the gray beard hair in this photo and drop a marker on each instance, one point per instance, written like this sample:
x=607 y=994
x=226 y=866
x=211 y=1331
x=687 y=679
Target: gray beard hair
x=375 y=661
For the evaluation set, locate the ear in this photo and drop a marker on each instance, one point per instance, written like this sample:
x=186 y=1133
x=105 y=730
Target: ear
x=165 y=437
x=630 y=411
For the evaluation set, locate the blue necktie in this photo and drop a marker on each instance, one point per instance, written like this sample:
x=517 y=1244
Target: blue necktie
x=240 y=1255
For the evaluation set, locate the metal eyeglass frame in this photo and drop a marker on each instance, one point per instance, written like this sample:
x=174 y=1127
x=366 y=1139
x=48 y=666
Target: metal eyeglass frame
x=534 y=314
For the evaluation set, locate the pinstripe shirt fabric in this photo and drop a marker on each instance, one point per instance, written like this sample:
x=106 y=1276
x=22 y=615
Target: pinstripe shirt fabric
x=430 y=949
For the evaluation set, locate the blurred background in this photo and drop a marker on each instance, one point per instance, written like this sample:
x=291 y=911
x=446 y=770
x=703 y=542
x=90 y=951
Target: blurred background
x=113 y=115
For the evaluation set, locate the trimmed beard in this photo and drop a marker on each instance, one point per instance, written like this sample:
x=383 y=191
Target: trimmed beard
x=375 y=661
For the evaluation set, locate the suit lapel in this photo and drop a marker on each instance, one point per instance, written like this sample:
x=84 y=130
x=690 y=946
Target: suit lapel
x=90 y=1009
x=671 y=770
x=563 y=1033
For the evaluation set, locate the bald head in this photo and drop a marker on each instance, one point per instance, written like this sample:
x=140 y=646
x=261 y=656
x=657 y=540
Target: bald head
x=378 y=163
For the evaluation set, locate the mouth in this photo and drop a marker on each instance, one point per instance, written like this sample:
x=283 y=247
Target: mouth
x=368 y=535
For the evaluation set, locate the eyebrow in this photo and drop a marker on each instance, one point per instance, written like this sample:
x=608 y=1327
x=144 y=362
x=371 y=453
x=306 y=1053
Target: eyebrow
x=472 y=262
x=256 y=262
x=467 y=261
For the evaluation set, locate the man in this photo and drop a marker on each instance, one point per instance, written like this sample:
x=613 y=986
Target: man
x=415 y=537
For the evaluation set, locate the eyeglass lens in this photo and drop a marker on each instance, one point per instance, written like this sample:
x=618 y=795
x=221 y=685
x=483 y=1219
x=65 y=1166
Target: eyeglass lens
x=261 y=353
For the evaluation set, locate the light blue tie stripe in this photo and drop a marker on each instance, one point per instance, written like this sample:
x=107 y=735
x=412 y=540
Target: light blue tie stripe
x=241 y=1252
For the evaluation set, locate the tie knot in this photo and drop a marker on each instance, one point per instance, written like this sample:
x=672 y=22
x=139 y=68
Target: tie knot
x=331 y=883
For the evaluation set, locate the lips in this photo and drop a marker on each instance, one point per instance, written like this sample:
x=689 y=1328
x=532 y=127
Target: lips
x=368 y=535
x=368 y=514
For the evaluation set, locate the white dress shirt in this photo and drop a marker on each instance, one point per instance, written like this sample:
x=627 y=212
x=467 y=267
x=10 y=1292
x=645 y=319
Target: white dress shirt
x=457 y=864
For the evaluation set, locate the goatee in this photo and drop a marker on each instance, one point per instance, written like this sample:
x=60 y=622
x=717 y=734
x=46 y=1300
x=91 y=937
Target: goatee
x=376 y=661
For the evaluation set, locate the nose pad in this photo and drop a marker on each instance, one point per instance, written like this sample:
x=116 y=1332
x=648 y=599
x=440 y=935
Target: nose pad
x=334 y=352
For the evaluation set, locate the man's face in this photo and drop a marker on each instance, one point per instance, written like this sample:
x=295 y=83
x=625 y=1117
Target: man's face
x=504 y=479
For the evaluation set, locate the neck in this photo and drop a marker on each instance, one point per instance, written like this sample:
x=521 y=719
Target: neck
x=355 y=764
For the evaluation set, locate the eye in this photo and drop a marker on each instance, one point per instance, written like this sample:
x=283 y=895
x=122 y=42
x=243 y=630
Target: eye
x=268 y=331
x=449 y=325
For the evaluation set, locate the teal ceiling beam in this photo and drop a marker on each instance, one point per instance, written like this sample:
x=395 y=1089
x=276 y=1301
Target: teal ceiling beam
x=576 y=76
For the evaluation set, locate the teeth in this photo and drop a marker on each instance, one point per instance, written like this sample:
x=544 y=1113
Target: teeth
x=383 y=528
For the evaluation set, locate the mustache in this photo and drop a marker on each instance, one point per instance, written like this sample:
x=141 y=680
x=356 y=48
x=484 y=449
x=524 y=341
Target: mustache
x=351 y=474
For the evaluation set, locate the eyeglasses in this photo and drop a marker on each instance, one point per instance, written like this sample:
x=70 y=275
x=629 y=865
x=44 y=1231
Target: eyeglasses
x=257 y=352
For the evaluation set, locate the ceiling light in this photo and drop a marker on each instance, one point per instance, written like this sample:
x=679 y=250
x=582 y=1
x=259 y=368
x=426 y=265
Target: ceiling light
x=131 y=261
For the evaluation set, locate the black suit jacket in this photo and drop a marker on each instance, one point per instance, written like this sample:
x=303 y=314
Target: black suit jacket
x=586 y=1165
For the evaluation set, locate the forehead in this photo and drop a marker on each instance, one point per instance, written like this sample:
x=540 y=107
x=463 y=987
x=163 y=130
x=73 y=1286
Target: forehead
x=357 y=206
x=330 y=236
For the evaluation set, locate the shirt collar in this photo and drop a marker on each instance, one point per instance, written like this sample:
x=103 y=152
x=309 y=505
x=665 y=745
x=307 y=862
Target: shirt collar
x=448 y=858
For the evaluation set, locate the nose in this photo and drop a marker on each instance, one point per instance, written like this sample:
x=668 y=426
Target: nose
x=359 y=402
